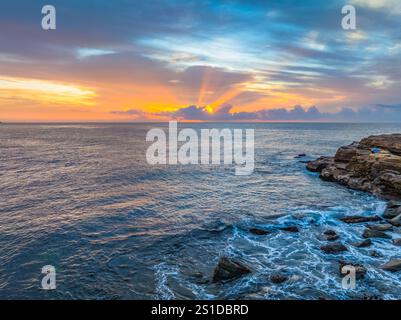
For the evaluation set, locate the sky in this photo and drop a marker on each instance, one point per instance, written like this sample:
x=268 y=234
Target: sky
x=157 y=60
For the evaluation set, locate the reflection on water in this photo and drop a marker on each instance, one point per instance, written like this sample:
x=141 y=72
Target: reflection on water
x=82 y=198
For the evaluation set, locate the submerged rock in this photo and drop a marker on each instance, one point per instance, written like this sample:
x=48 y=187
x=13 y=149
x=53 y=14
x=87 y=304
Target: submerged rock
x=368 y=233
x=258 y=232
x=290 y=229
x=375 y=254
x=360 y=270
x=393 y=265
x=360 y=219
x=278 y=278
x=334 y=248
x=362 y=244
x=331 y=235
x=228 y=269
x=357 y=167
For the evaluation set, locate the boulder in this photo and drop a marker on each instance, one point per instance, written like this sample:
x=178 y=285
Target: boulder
x=229 y=269
x=368 y=233
x=397 y=242
x=329 y=232
x=278 y=278
x=359 y=219
x=375 y=254
x=391 y=212
x=334 y=248
x=362 y=244
x=290 y=229
x=258 y=232
x=393 y=265
x=396 y=221
x=331 y=235
x=380 y=227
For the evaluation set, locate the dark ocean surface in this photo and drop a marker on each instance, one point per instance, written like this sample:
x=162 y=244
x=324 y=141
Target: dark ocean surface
x=81 y=197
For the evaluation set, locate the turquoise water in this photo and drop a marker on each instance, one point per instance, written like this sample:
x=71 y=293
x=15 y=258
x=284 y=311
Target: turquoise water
x=81 y=197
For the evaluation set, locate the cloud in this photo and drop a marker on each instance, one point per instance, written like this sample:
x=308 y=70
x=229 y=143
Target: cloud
x=156 y=55
x=391 y=6
x=375 y=113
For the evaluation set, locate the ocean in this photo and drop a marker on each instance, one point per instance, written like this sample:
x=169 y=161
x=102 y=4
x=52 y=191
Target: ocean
x=81 y=197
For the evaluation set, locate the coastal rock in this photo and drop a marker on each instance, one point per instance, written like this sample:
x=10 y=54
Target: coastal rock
x=278 y=278
x=375 y=254
x=360 y=270
x=331 y=235
x=258 y=232
x=301 y=155
x=334 y=248
x=396 y=221
x=397 y=242
x=393 y=265
x=380 y=227
x=368 y=233
x=362 y=244
x=393 y=209
x=228 y=269
x=319 y=164
x=290 y=229
x=357 y=167
x=393 y=204
x=359 y=219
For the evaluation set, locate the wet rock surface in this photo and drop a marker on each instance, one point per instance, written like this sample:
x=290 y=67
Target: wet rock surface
x=396 y=221
x=290 y=229
x=362 y=244
x=229 y=269
x=380 y=227
x=359 y=219
x=331 y=235
x=334 y=248
x=393 y=210
x=278 y=278
x=358 y=167
x=397 y=242
x=368 y=233
x=258 y=232
x=393 y=265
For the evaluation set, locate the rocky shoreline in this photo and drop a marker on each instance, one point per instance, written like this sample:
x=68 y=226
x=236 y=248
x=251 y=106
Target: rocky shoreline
x=372 y=165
